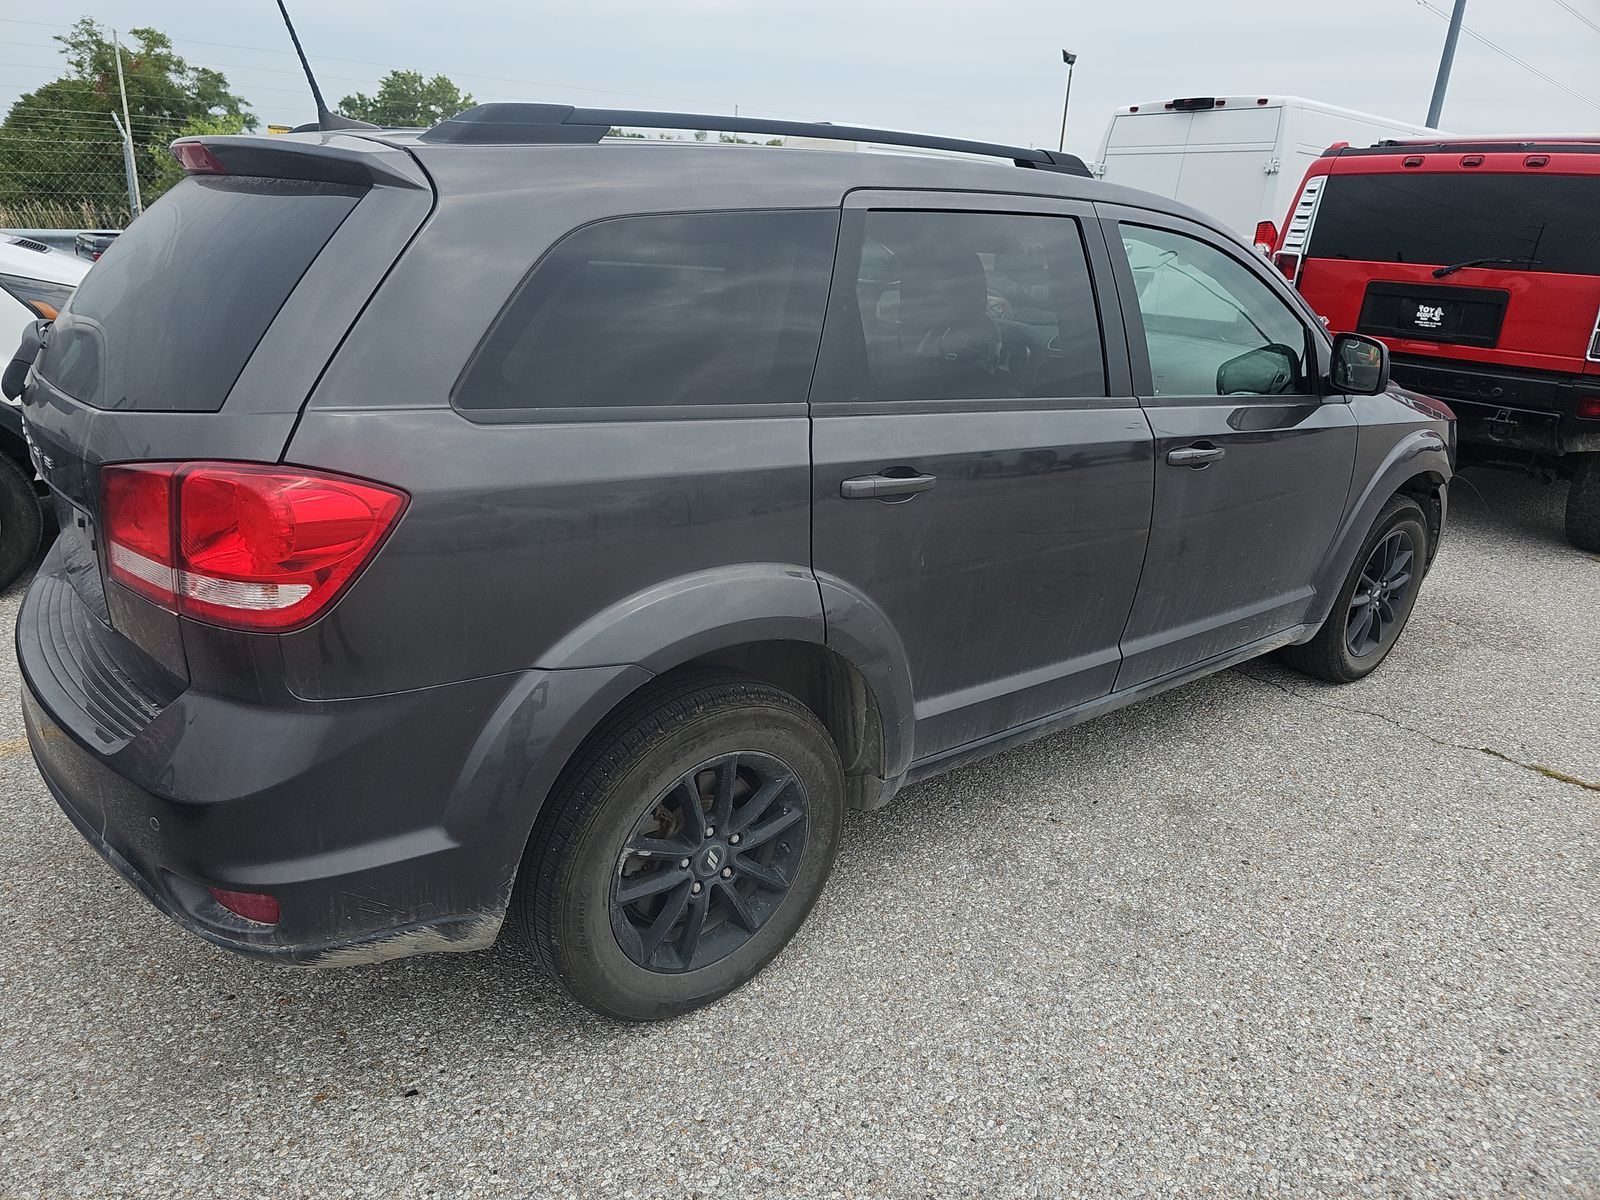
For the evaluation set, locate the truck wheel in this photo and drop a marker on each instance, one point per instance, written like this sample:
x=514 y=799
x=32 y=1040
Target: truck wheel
x=1375 y=602
x=684 y=848
x=21 y=522
x=1583 y=504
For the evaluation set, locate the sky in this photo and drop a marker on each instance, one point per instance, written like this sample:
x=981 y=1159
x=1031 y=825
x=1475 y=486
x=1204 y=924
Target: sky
x=957 y=67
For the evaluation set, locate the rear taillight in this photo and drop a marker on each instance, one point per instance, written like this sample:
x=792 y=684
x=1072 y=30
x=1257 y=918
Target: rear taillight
x=1266 y=236
x=242 y=546
x=1287 y=263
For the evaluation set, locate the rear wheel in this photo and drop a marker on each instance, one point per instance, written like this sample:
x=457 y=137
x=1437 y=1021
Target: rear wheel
x=1375 y=602
x=685 y=848
x=21 y=522
x=1583 y=504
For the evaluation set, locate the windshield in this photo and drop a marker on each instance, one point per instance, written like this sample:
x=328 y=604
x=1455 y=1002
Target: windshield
x=1539 y=222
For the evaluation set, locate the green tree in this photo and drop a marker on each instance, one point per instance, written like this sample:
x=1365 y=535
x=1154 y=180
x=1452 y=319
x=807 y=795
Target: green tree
x=60 y=151
x=406 y=99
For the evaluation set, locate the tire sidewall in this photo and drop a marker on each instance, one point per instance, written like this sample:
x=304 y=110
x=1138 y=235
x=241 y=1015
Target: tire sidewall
x=590 y=960
x=1405 y=516
x=21 y=522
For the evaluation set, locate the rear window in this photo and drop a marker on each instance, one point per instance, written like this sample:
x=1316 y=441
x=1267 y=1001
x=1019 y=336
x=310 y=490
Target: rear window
x=680 y=309
x=1438 y=220
x=169 y=316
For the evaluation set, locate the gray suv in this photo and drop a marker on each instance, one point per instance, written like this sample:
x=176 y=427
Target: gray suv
x=508 y=524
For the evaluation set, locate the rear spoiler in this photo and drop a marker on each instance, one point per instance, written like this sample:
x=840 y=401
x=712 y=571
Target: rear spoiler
x=323 y=158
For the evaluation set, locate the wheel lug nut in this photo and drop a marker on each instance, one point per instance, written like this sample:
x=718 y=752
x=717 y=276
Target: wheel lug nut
x=710 y=829
x=734 y=840
x=727 y=872
x=683 y=862
x=695 y=888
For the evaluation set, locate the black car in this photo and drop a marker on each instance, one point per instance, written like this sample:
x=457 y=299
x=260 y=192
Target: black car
x=417 y=577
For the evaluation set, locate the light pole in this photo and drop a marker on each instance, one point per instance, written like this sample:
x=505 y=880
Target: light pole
x=1068 y=57
x=1442 y=80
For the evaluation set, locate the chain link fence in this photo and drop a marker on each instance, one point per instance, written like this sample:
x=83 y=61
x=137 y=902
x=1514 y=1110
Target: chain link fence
x=71 y=174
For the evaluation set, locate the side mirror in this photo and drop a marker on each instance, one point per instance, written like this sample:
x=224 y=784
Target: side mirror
x=1360 y=365
x=16 y=371
x=1271 y=370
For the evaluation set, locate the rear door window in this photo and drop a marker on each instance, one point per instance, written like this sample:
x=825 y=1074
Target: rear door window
x=171 y=313
x=670 y=310
x=968 y=306
x=1537 y=222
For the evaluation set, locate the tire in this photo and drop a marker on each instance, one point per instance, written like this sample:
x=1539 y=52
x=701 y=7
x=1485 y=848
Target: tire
x=1583 y=504
x=21 y=522
x=632 y=787
x=1344 y=651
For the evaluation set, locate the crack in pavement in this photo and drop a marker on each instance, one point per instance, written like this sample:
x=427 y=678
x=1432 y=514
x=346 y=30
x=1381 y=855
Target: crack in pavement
x=1386 y=718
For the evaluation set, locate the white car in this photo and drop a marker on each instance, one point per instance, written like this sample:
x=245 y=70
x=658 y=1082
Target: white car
x=35 y=281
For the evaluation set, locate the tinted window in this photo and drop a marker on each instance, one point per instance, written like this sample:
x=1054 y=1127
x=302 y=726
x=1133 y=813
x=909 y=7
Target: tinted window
x=968 y=306
x=1443 y=219
x=1211 y=326
x=704 y=308
x=170 y=315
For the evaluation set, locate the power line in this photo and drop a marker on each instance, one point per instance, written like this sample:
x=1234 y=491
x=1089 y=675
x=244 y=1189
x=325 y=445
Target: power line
x=1577 y=14
x=1506 y=54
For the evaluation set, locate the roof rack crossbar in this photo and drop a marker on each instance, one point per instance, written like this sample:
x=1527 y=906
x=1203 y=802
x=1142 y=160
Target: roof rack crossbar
x=533 y=124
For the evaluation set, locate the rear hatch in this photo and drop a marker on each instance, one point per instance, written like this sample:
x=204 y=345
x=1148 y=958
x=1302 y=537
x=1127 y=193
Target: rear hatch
x=1473 y=264
x=201 y=331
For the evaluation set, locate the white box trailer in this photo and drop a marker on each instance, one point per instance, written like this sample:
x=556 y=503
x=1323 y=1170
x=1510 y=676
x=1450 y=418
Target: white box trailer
x=1238 y=158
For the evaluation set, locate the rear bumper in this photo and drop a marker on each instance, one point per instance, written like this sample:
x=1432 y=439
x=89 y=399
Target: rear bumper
x=385 y=827
x=1509 y=410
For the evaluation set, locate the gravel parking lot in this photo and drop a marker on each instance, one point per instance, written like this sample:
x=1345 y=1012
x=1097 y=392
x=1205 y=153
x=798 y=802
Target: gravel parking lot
x=1256 y=937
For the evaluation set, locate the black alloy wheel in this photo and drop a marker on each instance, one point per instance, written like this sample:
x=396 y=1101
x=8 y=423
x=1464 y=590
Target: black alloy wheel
x=1379 y=598
x=709 y=862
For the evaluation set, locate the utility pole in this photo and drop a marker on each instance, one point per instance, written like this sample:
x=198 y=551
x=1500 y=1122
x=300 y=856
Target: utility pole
x=1071 y=59
x=1445 y=60
x=125 y=128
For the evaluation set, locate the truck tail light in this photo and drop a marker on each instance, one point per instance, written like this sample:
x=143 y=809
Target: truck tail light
x=258 y=548
x=1266 y=236
x=1287 y=263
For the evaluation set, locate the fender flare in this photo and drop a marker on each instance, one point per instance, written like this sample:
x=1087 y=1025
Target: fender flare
x=682 y=619
x=1422 y=452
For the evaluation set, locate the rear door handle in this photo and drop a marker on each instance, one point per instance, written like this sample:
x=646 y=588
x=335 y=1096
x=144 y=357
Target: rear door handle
x=1194 y=456
x=885 y=487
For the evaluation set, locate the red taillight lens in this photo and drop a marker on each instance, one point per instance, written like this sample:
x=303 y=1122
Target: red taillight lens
x=1266 y=235
x=1589 y=407
x=1288 y=264
x=196 y=159
x=252 y=906
x=137 y=502
x=246 y=547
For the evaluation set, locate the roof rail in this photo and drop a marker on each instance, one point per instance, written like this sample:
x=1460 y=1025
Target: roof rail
x=535 y=124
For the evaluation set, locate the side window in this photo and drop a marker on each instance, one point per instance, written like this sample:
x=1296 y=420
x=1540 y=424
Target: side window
x=1212 y=327
x=969 y=306
x=698 y=308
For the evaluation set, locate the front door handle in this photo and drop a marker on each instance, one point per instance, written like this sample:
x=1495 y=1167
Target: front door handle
x=1195 y=456
x=886 y=486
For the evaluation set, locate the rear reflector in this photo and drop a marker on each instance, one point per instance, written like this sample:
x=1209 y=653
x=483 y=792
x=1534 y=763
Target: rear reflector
x=238 y=545
x=252 y=906
x=1589 y=407
x=196 y=159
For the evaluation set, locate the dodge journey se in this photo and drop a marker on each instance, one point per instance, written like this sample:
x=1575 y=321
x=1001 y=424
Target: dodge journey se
x=507 y=527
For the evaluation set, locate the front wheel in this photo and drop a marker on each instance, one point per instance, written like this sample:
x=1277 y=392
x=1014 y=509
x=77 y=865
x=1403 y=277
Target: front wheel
x=21 y=521
x=1375 y=602
x=684 y=849
x=1583 y=504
